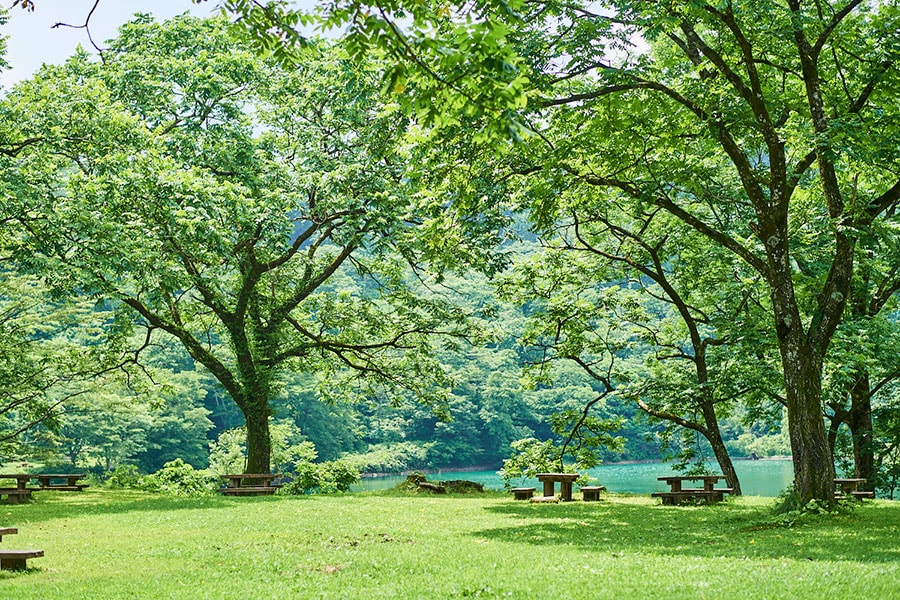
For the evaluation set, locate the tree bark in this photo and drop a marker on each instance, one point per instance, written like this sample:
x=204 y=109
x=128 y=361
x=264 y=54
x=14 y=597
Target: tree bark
x=859 y=419
x=259 y=445
x=812 y=458
x=714 y=436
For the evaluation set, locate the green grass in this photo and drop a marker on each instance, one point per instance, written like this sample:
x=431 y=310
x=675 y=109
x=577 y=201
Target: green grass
x=105 y=544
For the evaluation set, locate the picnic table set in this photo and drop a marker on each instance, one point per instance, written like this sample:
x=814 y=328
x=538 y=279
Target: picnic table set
x=61 y=482
x=705 y=490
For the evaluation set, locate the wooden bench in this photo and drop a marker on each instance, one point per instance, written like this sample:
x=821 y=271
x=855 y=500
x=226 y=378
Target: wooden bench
x=523 y=493
x=592 y=492
x=15 y=495
x=856 y=494
x=7 y=531
x=247 y=490
x=674 y=498
x=14 y=560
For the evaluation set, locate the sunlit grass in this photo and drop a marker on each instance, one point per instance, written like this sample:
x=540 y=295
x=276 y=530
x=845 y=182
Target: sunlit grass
x=102 y=544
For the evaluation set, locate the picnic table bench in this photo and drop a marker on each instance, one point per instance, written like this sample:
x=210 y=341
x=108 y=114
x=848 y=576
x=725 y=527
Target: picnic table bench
x=14 y=560
x=708 y=493
x=565 y=484
x=522 y=493
x=592 y=492
x=250 y=484
x=19 y=493
x=15 y=495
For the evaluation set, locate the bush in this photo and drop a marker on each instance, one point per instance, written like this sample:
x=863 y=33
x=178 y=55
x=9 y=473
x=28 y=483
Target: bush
x=789 y=511
x=322 y=478
x=179 y=479
x=123 y=476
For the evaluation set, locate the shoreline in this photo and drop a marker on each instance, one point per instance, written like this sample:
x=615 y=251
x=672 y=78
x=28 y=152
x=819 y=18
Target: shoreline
x=489 y=467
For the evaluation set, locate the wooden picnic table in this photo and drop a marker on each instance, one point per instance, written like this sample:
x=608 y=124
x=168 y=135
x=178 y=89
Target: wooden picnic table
x=849 y=486
x=565 y=484
x=52 y=481
x=22 y=479
x=677 y=492
x=19 y=493
x=250 y=484
x=674 y=482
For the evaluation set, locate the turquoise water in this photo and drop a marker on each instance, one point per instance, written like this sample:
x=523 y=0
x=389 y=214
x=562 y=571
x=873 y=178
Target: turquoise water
x=758 y=477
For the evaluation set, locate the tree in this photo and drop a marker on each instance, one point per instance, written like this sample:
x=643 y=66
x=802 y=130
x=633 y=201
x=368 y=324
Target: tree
x=637 y=303
x=765 y=126
x=220 y=201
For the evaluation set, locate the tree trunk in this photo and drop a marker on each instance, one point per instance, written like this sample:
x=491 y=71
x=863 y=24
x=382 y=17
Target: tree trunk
x=721 y=452
x=259 y=444
x=813 y=462
x=859 y=419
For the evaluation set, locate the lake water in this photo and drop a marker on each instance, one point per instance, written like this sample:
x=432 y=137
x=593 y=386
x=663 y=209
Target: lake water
x=758 y=477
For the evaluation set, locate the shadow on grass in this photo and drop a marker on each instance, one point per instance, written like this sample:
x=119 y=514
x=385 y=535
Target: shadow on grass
x=47 y=506
x=728 y=530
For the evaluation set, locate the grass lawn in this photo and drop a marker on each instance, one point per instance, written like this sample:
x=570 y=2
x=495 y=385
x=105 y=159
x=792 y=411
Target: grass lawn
x=113 y=544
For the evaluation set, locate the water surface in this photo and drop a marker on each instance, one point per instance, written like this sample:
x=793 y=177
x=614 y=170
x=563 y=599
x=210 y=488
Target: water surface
x=758 y=477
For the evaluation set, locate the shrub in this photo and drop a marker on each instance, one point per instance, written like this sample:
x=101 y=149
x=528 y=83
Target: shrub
x=322 y=478
x=179 y=479
x=789 y=511
x=123 y=476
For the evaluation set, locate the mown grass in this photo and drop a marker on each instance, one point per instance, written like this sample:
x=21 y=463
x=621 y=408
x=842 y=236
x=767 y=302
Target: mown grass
x=105 y=544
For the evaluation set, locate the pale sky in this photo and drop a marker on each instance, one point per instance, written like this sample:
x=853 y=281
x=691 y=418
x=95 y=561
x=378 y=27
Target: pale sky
x=32 y=41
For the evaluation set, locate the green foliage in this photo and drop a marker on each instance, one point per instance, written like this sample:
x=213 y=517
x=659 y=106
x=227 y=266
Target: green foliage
x=790 y=510
x=124 y=477
x=228 y=453
x=177 y=478
x=390 y=458
x=531 y=457
x=887 y=445
x=52 y=351
x=322 y=478
x=225 y=203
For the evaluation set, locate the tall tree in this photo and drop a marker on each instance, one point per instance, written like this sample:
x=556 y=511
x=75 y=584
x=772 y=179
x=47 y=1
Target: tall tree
x=755 y=123
x=221 y=200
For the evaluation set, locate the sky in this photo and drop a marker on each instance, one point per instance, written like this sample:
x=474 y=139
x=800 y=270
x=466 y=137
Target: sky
x=32 y=41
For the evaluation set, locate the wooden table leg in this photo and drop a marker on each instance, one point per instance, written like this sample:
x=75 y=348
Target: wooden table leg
x=565 y=490
x=548 y=488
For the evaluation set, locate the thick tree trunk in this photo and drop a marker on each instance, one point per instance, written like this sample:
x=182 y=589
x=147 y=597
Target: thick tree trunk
x=859 y=419
x=259 y=444
x=813 y=462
